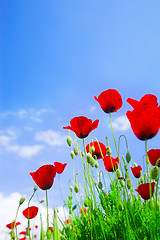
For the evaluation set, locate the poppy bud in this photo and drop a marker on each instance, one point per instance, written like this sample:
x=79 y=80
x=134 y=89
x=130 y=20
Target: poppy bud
x=86 y=203
x=154 y=173
x=70 y=197
x=96 y=164
x=72 y=154
x=12 y=234
x=75 y=150
x=128 y=157
x=129 y=183
x=42 y=200
x=100 y=185
x=142 y=179
x=120 y=206
x=135 y=164
x=69 y=141
x=35 y=188
x=92 y=149
x=22 y=199
x=118 y=173
x=89 y=157
x=109 y=151
x=126 y=175
x=92 y=162
x=122 y=182
x=49 y=234
x=126 y=167
x=76 y=188
x=71 y=188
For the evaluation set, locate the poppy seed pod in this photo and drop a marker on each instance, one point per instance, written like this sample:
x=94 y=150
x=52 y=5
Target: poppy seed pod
x=76 y=188
x=86 y=203
x=75 y=150
x=72 y=154
x=109 y=151
x=69 y=141
x=122 y=182
x=128 y=157
x=42 y=200
x=70 y=197
x=154 y=173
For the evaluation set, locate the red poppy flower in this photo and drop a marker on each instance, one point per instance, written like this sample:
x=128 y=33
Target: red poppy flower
x=32 y=212
x=98 y=150
x=51 y=229
x=111 y=164
x=82 y=126
x=136 y=171
x=154 y=155
x=36 y=226
x=84 y=210
x=24 y=238
x=67 y=221
x=147 y=99
x=23 y=232
x=12 y=225
x=110 y=100
x=145 y=121
x=44 y=176
x=59 y=167
x=144 y=190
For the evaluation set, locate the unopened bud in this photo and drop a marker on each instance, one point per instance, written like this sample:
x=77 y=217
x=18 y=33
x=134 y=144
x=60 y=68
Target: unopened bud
x=70 y=197
x=49 y=234
x=75 y=150
x=86 y=203
x=108 y=220
x=42 y=200
x=92 y=162
x=154 y=173
x=71 y=188
x=122 y=182
x=72 y=154
x=96 y=164
x=118 y=173
x=129 y=183
x=92 y=149
x=109 y=151
x=128 y=157
x=89 y=157
x=126 y=167
x=76 y=188
x=135 y=164
x=69 y=141
x=141 y=179
x=126 y=175
x=22 y=199
x=82 y=153
x=100 y=185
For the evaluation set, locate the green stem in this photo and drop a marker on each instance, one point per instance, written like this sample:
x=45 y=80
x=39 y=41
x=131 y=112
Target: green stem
x=16 y=220
x=47 y=211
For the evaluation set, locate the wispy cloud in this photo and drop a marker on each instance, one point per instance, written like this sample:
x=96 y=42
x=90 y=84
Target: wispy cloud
x=121 y=123
x=32 y=114
x=93 y=109
x=51 y=138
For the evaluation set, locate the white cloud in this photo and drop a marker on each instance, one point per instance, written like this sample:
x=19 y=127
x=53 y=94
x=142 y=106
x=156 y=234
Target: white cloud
x=8 y=210
x=25 y=151
x=51 y=138
x=121 y=123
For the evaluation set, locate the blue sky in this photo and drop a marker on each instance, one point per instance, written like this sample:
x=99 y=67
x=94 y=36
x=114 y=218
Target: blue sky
x=55 y=57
